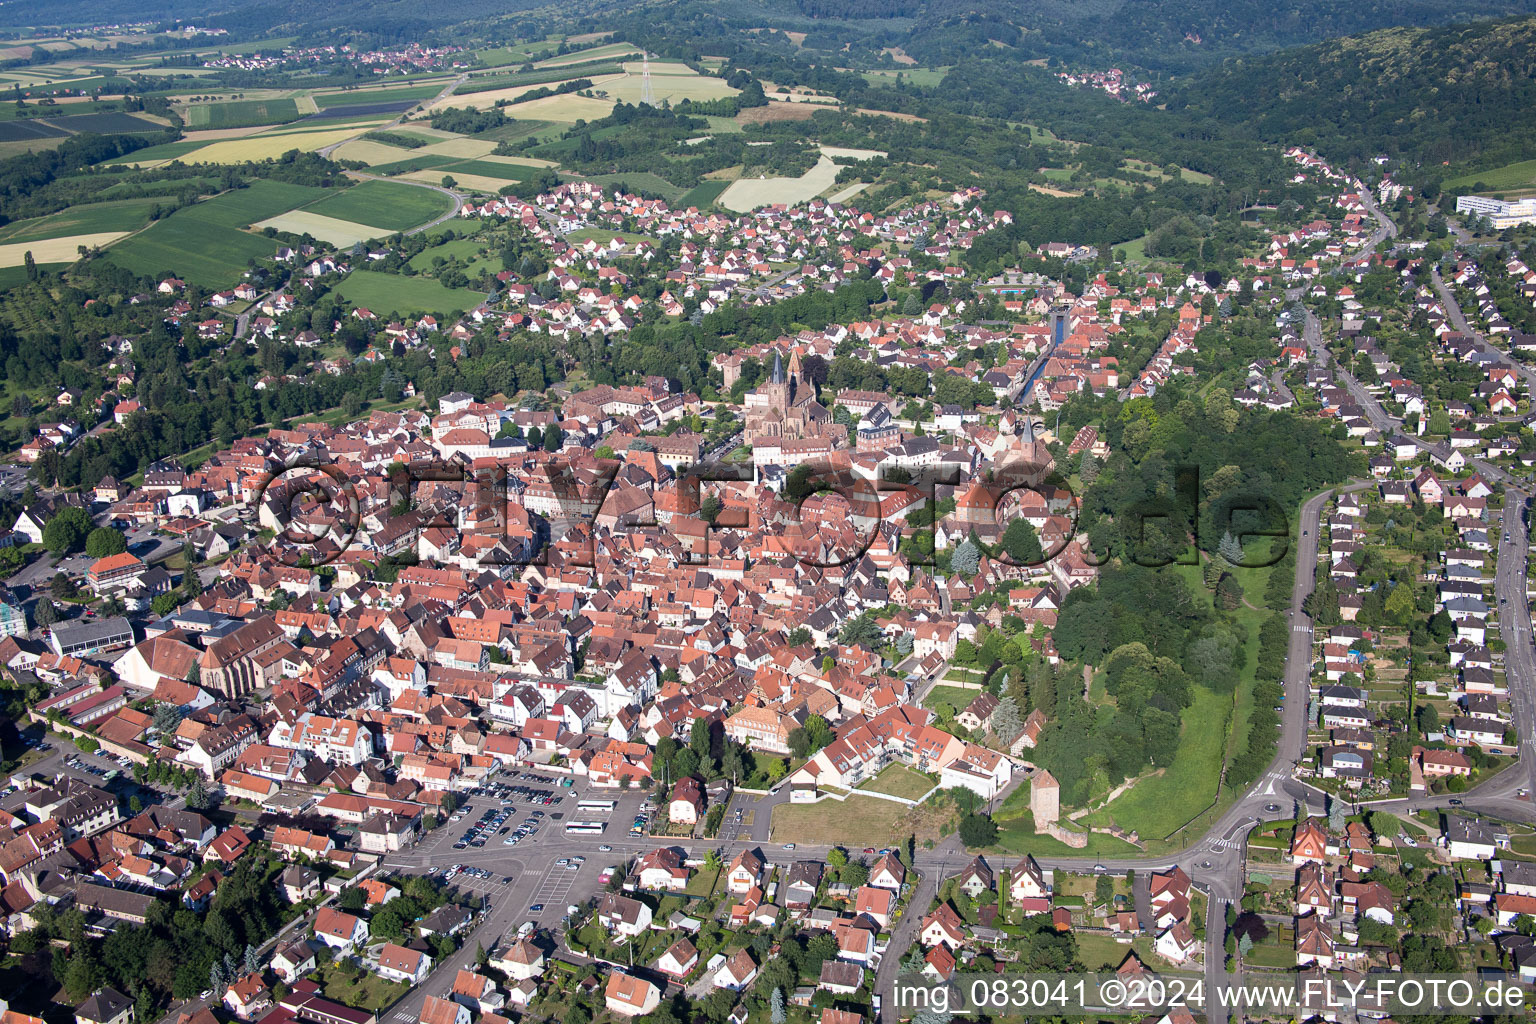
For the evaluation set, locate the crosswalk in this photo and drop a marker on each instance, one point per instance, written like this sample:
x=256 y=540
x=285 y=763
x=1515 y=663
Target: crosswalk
x=402 y=1015
x=1226 y=844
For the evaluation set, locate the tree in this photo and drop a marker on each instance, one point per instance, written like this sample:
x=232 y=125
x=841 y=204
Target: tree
x=197 y=793
x=61 y=587
x=1229 y=593
x=45 y=614
x=1230 y=549
x=977 y=830
x=709 y=508
x=1245 y=945
x=66 y=530
x=1006 y=723
x=554 y=437
x=1337 y=814
x=1022 y=543
x=776 y=1014
x=699 y=739
x=966 y=559
x=104 y=541
x=836 y=857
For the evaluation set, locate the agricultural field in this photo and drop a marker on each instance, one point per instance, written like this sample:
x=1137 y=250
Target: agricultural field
x=244 y=113
x=265 y=145
x=55 y=250
x=207 y=243
x=393 y=294
x=340 y=233
x=384 y=204
x=355 y=97
x=1516 y=177
x=597 y=52
x=671 y=83
x=702 y=195
x=746 y=194
x=566 y=108
x=94 y=218
x=491 y=169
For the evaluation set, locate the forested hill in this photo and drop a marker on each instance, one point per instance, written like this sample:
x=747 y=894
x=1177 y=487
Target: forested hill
x=1464 y=94
x=1168 y=34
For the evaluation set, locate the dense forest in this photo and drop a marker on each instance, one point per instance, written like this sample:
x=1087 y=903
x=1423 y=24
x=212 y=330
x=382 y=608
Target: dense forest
x=1463 y=94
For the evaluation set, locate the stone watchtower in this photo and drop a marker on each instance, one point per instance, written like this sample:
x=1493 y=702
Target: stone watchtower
x=1045 y=800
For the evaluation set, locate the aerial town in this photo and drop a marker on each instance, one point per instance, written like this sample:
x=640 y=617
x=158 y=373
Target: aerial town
x=532 y=520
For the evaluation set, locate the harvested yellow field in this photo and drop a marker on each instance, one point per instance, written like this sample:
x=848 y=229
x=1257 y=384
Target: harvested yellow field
x=848 y=193
x=370 y=152
x=675 y=88
x=260 y=147
x=851 y=154
x=519 y=161
x=486 y=100
x=55 y=250
x=581 y=56
x=568 y=108
x=747 y=194
x=328 y=229
x=472 y=182
x=458 y=146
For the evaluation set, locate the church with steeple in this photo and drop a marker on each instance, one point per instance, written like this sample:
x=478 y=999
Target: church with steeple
x=786 y=406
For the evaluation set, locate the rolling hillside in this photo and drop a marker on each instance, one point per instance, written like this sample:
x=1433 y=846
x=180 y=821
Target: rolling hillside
x=1463 y=95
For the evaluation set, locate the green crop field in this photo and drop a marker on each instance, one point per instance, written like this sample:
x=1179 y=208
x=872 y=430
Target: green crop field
x=491 y=169
x=702 y=195
x=415 y=163
x=123 y=215
x=1511 y=176
x=242 y=113
x=206 y=243
x=640 y=181
x=167 y=151
x=389 y=294
x=384 y=204
x=353 y=97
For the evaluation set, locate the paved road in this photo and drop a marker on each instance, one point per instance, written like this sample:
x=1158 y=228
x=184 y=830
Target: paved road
x=1458 y=319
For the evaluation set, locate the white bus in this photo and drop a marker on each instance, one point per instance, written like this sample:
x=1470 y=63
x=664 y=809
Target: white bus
x=596 y=806
x=585 y=828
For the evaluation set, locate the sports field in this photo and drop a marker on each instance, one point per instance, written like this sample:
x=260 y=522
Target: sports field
x=206 y=243
x=387 y=294
x=384 y=204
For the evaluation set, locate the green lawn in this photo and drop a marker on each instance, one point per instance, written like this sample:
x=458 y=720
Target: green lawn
x=954 y=696
x=458 y=248
x=205 y=243
x=899 y=780
x=122 y=215
x=368 y=992
x=384 y=204
x=387 y=294
x=1157 y=805
x=1016 y=834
